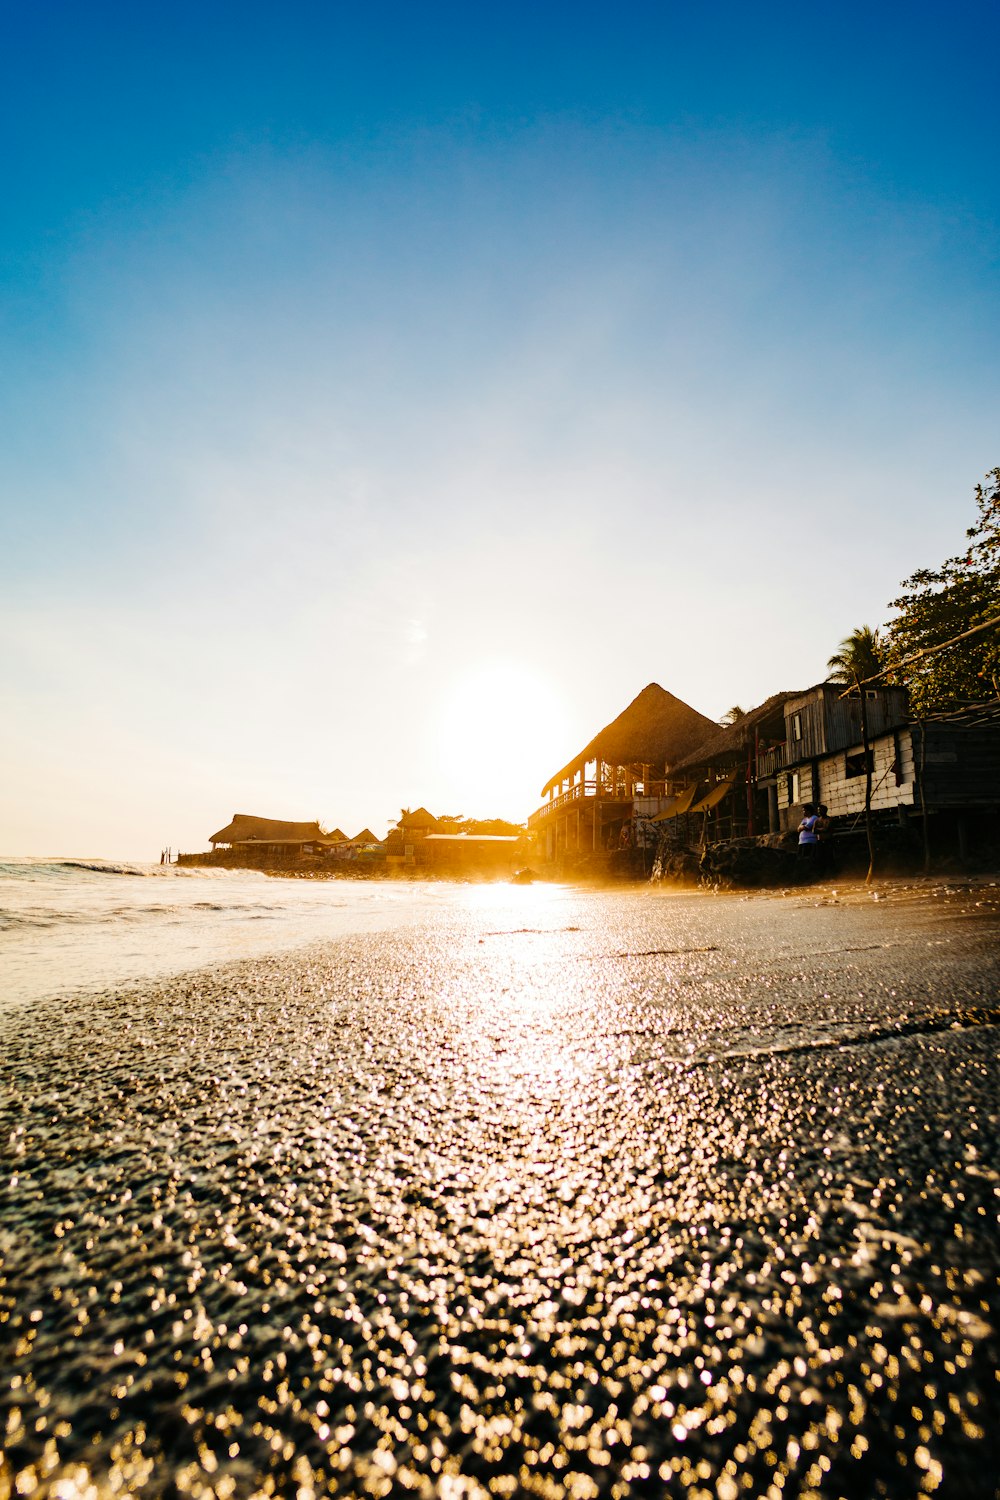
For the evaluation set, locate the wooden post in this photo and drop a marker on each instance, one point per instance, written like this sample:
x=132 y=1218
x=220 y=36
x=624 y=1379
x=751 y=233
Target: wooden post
x=751 y=777
x=866 y=745
x=923 y=801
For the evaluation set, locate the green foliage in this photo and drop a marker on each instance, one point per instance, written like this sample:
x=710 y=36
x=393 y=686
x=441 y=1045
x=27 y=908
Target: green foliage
x=490 y=826
x=940 y=603
x=861 y=656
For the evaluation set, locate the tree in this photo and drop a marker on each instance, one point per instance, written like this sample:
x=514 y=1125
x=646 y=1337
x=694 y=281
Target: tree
x=861 y=655
x=732 y=715
x=939 y=604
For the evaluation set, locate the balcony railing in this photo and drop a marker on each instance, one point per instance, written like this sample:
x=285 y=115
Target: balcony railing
x=576 y=793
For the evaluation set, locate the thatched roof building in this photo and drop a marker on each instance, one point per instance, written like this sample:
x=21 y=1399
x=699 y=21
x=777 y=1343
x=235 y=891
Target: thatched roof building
x=247 y=829
x=655 y=729
x=420 y=821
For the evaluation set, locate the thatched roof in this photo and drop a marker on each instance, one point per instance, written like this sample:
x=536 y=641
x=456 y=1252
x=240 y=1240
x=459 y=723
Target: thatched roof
x=364 y=837
x=419 y=819
x=728 y=745
x=654 y=729
x=246 y=829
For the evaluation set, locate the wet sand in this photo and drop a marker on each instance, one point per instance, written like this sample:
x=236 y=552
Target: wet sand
x=603 y=1194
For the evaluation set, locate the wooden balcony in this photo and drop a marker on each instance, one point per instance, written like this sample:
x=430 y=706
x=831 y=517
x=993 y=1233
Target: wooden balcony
x=770 y=761
x=577 y=793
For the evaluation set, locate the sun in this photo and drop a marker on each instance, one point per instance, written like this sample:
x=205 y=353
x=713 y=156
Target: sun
x=502 y=724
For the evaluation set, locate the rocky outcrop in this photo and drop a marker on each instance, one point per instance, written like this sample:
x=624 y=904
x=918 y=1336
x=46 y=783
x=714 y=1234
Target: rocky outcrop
x=771 y=860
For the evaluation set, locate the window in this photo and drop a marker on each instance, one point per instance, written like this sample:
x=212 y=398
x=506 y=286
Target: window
x=793 y=788
x=796 y=726
x=858 y=763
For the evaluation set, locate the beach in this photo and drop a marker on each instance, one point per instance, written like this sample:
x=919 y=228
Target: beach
x=547 y=1192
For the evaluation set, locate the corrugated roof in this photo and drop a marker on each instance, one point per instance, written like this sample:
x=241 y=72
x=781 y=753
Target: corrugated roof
x=654 y=729
x=472 y=838
x=967 y=716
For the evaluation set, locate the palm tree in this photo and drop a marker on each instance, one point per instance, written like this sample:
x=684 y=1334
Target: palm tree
x=860 y=657
x=732 y=714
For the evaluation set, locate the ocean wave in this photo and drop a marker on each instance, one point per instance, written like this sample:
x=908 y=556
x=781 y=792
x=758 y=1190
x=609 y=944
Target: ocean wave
x=35 y=869
x=54 y=869
x=100 y=867
x=11 y=920
x=55 y=917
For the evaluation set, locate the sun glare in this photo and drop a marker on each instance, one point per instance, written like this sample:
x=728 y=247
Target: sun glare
x=502 y=724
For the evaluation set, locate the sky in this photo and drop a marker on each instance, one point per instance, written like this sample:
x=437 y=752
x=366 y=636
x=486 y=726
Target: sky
x=387 y=395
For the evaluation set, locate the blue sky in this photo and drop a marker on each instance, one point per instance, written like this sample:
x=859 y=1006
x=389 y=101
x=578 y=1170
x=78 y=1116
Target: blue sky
x=387 y=397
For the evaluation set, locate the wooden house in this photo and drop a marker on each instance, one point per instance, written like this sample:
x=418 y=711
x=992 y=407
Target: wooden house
x=756 y=775
x=823 y=757
x=617 y=781
x=956 y=764
x=725 y=788
x=943 y=770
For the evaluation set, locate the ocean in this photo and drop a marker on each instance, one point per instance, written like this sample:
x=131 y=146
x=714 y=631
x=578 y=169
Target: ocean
x=68 y=925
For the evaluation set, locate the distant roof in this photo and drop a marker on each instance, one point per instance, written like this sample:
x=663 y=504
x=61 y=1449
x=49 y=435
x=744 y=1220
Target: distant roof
x=245 y=828
x=364 y=837
x=654 y=729
x=419 y=819
x=726 y=743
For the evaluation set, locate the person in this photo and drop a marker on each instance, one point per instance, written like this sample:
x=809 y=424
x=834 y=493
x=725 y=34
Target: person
x=824 y=849
x=807 y=833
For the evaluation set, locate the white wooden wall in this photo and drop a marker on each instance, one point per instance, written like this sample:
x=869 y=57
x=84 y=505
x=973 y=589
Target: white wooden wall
x=845 y=795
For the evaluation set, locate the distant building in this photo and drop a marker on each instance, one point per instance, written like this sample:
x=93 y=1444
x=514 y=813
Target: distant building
x=270 y=838
x=473 y=853
x=403 y=841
